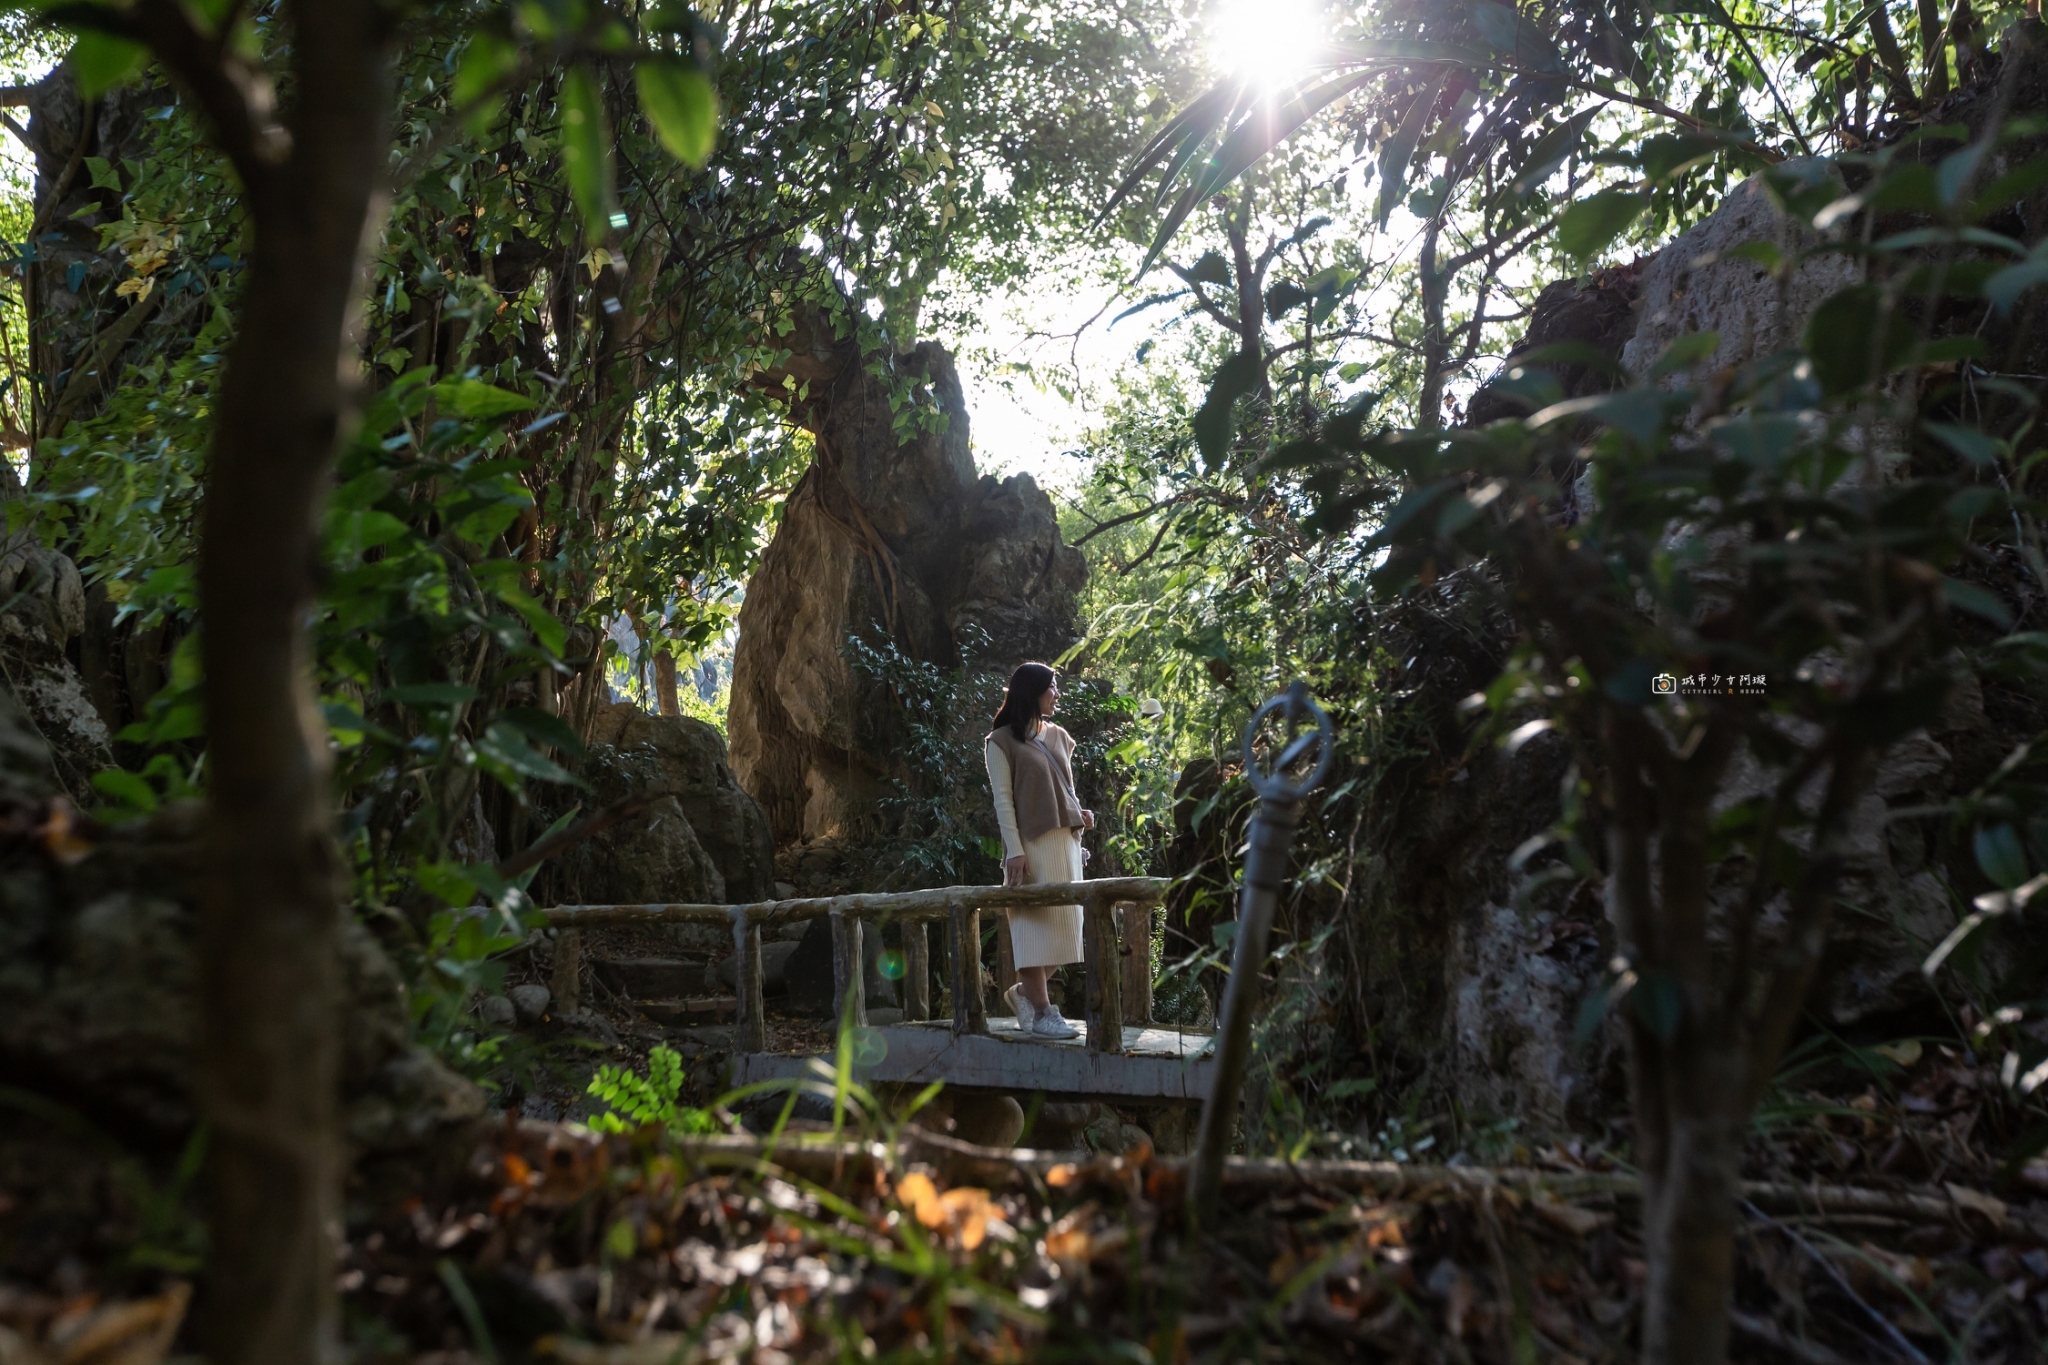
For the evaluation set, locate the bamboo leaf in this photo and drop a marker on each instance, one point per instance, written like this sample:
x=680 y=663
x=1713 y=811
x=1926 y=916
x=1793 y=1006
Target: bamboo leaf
x=1400 y=149
x=586 y=150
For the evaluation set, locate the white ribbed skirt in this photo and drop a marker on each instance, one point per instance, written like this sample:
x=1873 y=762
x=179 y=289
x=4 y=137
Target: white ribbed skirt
x=1049 y=935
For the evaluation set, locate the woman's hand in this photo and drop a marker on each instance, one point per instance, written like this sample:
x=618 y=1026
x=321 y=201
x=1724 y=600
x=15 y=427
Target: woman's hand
x=1015 y=870
x=1087 y=819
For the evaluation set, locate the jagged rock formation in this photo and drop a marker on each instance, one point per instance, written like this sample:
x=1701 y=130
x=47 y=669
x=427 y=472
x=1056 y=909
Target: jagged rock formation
x=890 y=537
x=42 y=610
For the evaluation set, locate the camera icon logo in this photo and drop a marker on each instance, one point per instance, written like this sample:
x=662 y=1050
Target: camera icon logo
x=1664 y=685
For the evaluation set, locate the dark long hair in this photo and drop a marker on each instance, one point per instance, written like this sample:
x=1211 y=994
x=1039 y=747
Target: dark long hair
x=1019 y=710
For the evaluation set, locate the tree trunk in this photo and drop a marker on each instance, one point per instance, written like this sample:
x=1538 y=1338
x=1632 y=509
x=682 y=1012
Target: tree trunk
x=666 y=695
x=269 y=1061
x=1689 y=1240
x=1429 y=406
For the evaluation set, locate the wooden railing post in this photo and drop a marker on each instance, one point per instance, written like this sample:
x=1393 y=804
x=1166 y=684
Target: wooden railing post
x=1105 y=976
x=748 y=984
x=849 y=972
x=1136 y=935
x=977 y=1007
x=917 y=970
x=969 y=1013
x=565 y=983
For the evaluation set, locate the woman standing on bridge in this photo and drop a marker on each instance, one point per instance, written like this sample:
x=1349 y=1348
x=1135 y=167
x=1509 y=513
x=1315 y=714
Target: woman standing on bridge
x=1031 y=772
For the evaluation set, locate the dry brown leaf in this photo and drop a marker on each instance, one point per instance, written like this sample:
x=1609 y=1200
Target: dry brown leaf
x=1904 y=1053
x=138 y=1332
x=657 y=1349
x=1977 y=1202
x=1577 y=1221
x=16 y=1349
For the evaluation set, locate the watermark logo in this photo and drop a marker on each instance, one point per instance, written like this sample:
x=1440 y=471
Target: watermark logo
x=1665 y=684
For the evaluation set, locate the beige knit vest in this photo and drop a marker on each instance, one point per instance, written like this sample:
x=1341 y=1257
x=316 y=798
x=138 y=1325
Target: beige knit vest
x=1041 y=780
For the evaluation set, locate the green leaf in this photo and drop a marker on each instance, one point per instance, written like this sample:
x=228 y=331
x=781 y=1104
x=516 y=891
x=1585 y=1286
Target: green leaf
x=1399 y=150
x=430 y=694
x=1658 y=1004
x=486 y=63
x=1629 y=684
x=546 y=628
x=1235 y=378
x=2004 y=288
x=1981 y=602
x=1497 y=26
x=2000 y=856
x=1639 y=412
x=104 y=176
x=1590 y=224
x=100 y=61
x=1211 y=269
x=682 y=106
x=1552 y=150
x=1284 y=297
x=125 y=788
x=586 y=150
x=1855 y=338
x=478 y=401
x=446 y=882
x=503 y=744
x=1687 y=351
x=538 y=724
x=1968 y=442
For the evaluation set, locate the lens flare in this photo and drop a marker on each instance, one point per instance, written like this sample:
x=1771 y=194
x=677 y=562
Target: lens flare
x=891 y=964
x=870 y=1048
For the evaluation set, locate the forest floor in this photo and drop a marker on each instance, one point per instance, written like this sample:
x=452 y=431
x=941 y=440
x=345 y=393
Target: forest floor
x=1886 y=1225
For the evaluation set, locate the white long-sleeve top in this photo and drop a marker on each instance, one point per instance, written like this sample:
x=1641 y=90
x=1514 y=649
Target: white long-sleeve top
x=1006 y=800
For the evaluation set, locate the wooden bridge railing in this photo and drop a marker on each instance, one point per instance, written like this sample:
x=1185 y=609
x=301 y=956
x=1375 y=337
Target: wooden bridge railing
x=959 y=907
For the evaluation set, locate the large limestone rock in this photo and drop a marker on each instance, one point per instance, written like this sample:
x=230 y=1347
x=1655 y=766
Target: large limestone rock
x=891 y=539
x=704 y=840
x=1470 y=979
x=42 y=609
x=97 y=974
x=1698 y=283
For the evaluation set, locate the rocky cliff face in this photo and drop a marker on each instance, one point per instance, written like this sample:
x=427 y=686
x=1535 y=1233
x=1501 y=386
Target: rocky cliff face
x=890 y=537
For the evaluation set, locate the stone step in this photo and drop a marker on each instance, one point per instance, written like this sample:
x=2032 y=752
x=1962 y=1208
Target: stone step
x=695 y=1010
x=652 y=978
x=775 y=956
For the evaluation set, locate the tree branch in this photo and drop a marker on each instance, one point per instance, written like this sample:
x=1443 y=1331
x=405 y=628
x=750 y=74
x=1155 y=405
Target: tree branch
x=555 y=844
x=1127 y=518
x=234 y=94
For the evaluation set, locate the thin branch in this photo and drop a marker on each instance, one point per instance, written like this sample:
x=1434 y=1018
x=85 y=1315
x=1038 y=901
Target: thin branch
x=21 y=134
x=1128 y=517
x=556 y=844
x=233 y=93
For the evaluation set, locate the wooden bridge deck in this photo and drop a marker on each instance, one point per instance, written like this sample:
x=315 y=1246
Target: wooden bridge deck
x=1154 y=1064
x=1108 y=1059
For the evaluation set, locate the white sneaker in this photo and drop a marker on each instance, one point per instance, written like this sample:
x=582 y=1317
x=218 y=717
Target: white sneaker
x=1049 y=1024
x=1019 y=1006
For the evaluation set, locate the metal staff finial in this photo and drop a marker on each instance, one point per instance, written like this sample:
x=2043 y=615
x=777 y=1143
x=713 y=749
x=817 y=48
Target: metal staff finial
x=1306 y=739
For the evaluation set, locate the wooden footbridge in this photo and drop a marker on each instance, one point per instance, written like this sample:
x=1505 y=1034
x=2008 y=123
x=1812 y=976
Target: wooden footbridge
x=1118 y=1055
